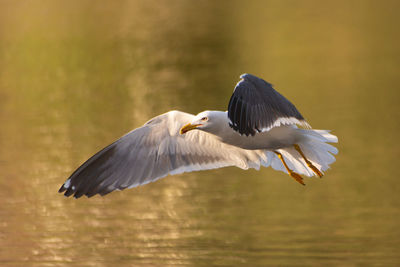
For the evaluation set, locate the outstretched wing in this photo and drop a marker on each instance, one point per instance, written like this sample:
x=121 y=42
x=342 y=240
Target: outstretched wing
x=151 y=152
x=256 y=107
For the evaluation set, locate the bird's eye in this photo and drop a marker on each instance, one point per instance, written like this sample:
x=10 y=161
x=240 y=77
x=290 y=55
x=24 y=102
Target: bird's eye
x=204 y=119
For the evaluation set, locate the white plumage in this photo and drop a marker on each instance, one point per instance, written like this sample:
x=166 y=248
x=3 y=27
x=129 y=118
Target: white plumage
x=250 y=134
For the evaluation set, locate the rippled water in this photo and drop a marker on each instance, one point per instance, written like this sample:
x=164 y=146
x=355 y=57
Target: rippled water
x=76 y=75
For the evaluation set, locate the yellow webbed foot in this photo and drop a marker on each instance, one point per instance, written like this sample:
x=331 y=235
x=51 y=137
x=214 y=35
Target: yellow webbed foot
x=309 y=164
x=315 y=170
x=295 y=176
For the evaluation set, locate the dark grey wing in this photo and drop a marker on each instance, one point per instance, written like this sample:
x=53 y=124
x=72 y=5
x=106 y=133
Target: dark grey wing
x=149 y=153
x=255 y=106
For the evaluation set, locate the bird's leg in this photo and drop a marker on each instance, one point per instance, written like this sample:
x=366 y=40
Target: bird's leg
x=309 y=164
x=296 y=176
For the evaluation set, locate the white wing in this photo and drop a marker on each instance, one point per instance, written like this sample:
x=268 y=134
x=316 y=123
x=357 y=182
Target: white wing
x=153 y=151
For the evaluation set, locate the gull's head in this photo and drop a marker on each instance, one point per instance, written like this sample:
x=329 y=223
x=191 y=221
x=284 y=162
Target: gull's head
x=203 y=121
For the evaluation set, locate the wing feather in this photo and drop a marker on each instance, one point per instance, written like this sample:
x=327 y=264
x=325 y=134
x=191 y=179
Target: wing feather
x=151 y=152
x=255 y=106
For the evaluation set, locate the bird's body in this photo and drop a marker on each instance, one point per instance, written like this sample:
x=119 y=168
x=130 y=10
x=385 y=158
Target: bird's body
x=252 y=133
x=277 y=137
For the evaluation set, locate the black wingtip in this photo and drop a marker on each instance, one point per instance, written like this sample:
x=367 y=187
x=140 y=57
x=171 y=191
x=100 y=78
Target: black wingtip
x=62 y=189
x=69 y=192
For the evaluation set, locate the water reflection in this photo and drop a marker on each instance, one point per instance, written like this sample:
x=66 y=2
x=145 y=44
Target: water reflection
x=75 y=76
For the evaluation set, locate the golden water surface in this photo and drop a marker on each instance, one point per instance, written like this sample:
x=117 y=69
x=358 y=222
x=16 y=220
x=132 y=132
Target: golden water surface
x=76 y=75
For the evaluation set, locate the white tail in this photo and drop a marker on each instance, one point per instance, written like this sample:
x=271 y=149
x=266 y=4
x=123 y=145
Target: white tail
x=315 y=148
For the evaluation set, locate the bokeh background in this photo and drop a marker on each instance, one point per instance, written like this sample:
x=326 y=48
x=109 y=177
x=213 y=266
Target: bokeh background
x=76 y=75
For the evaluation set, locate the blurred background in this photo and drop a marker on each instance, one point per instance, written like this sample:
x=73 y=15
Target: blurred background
x=76 y=75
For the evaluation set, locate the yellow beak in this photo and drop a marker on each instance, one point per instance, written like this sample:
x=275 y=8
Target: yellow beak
x=188 y=127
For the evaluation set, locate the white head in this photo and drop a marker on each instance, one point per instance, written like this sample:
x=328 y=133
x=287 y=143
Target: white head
x=207 y=121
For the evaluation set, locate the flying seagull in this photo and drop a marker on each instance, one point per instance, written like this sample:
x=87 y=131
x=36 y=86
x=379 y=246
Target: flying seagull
x=260 y=128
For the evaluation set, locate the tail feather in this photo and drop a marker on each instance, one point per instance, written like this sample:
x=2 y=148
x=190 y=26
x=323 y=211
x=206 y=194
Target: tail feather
x=330 y=138
x=296 y=162
x=316 y=149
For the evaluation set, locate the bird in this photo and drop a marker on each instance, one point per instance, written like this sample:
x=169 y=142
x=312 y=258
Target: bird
x=260 y=128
